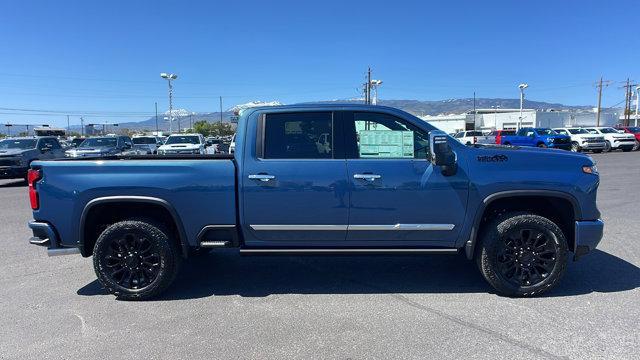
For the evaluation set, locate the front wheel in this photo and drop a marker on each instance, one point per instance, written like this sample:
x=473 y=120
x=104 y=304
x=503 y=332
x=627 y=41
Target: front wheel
x=636 y=145
x=575 y=147
x=607 y=146
x=542 y=145
x=136 y=260
x=522 y=254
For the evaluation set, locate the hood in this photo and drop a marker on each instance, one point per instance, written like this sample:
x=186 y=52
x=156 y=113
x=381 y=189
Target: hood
x=534 y=152
x=13 y=152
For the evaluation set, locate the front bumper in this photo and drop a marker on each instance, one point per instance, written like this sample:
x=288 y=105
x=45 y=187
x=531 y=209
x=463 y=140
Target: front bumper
x=593 y=145
x=587 y=236
x=12 y=172
x=45 y=235
x=559 y=146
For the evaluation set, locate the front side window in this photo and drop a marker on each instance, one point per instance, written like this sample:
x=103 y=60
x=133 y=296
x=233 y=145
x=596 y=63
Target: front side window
x=304 y=135
x=383 y=136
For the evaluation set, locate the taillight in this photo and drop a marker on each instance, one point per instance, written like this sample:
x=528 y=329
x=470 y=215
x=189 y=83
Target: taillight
x=33 y=176
x=498 y=139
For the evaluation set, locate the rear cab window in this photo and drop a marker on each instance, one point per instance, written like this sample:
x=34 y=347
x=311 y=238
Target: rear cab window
x=301 y=135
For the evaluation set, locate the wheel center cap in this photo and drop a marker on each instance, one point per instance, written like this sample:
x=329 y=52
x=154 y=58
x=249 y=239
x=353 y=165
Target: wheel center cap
x=526 y=258
x=132 y=261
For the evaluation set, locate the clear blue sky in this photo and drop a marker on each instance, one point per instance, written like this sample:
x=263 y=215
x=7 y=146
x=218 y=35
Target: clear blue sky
x=106 y=56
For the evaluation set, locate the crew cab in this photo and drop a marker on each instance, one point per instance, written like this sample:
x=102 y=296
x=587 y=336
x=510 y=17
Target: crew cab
x=538 y=137
x=16 y=154
x=382 y=182
x=582 y=140
x=614 y=139
x=494 y=137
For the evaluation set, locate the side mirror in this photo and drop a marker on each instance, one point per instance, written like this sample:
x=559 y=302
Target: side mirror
x=441 y=152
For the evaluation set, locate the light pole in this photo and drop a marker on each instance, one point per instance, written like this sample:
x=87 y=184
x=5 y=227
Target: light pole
x=637 y=101
x=169 y=78
x=495 y=115
x=521 y=87
x=375 y=84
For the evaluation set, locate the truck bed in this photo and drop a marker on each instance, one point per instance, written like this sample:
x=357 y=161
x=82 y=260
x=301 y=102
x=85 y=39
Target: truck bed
x=201 y=188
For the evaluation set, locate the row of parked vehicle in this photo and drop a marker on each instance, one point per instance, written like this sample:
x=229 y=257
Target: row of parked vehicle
x=596 y=139
x=16 y=154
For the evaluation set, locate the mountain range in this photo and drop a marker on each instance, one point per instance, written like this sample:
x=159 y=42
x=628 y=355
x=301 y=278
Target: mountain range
x=416 y=107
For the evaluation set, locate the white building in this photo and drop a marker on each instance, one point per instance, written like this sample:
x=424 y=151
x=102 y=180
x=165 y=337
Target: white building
x=501 y=119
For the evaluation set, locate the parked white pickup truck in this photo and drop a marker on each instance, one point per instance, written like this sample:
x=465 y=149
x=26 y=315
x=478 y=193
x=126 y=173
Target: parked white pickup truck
x=468 y=137
x=583 y=140
x=614 y=139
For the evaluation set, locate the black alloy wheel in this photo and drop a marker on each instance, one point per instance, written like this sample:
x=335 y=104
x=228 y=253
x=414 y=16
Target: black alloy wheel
x=132 y=261
x=526 y=257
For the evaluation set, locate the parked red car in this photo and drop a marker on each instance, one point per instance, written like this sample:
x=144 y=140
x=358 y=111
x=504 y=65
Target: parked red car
x=635 y=130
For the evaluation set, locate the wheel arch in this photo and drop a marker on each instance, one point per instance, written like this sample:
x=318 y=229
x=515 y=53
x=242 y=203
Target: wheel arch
x=564 y=209
x=158 y=208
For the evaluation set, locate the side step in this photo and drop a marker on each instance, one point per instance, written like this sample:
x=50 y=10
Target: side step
x=322 y=251
x=215 y=244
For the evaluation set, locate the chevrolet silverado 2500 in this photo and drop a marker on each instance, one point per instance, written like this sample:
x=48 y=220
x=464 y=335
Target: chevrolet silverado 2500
x=345 y=179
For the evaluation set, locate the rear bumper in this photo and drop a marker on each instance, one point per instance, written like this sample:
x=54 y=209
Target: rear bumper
x=45 y=235
x=12 y=172
x=588 y=236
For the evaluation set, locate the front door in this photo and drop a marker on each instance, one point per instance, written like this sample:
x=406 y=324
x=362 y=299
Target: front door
x=397 y=196
x=294 y=184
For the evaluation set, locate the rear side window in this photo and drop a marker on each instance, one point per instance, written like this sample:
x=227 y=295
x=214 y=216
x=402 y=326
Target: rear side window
x=304 y=135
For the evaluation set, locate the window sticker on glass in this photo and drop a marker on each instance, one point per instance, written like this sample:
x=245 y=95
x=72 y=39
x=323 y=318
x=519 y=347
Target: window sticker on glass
x=386 y=144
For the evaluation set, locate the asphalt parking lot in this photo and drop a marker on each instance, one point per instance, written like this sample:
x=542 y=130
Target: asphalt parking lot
x=226 y=306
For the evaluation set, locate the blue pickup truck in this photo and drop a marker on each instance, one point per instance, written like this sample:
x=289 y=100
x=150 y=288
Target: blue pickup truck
x=538 y=137
x=322 y=179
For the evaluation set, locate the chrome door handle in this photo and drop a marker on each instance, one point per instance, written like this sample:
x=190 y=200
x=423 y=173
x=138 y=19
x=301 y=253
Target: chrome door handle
x=368 y=177
x=261 y=177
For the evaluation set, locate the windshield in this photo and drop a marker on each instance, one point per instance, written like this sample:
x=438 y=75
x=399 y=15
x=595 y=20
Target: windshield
x=183 y=140
x=18 y=144
x=100 y=142
x=546 y=132
x=144 y=140
x=609 y=131
x=578 y=131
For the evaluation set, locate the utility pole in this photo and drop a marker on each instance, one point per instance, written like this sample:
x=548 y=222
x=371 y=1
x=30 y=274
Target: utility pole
x=600 y=84
x=628 y=94
x=157 y=130
x=68 y=126
x=81 y=126
x=369 y=85
x=220 y=109
x=474 y=110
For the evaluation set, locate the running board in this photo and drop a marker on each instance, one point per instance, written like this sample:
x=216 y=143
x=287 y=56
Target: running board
x=348 y=251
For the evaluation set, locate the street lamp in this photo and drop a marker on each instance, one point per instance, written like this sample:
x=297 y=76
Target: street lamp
x=374 y=85
x=521 y=87
x=637 y=101
x=169 y=78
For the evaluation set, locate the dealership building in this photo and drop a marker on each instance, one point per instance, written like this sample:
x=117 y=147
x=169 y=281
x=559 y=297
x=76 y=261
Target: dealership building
x=504 y=119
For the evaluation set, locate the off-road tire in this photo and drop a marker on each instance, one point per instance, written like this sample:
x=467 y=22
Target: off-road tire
x=492 y=239
x=157 y=238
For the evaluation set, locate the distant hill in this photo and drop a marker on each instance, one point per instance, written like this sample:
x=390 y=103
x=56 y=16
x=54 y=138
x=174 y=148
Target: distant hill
x=417 y=107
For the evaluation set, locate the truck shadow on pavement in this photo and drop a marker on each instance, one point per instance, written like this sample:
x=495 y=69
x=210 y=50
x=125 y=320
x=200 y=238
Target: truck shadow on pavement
x=11 y=184
x=227 y=273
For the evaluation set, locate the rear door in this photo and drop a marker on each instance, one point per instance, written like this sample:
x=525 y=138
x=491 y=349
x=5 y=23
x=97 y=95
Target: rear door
x=397 y=197
x=294 y=184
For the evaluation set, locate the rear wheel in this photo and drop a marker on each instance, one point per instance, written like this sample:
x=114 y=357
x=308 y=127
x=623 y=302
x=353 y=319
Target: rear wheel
x=136 y=259
x=522 y=254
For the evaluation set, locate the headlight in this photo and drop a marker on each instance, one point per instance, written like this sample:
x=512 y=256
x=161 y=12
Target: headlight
x=593 y=170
